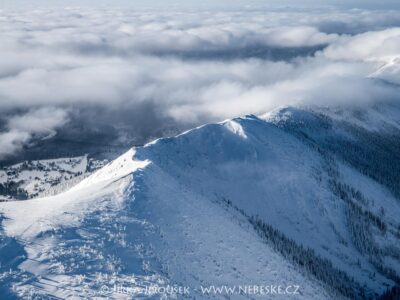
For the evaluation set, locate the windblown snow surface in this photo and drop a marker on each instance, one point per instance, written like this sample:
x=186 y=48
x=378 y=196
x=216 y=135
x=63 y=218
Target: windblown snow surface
x=302 y=196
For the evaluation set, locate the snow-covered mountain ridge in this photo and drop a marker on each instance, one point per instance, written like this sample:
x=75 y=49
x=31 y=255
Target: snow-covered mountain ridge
x=301 y=196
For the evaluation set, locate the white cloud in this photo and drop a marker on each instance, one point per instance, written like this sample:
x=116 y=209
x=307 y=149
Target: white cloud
x=181 y=68
x=11 y=142
x=380 y=46
x=20 y=129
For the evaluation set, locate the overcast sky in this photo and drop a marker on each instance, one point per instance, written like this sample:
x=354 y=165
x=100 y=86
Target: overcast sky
x=228 y=4
x=137 y=74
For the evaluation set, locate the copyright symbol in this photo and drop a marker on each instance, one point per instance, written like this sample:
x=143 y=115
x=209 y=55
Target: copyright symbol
x=104 y=289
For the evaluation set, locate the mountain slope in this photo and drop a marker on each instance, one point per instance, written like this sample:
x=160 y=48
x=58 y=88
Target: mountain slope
x=290 y=198
x=76 y=243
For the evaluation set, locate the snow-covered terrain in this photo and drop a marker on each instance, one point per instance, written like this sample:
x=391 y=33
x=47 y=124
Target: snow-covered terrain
x=31 y=179
x=301 y=197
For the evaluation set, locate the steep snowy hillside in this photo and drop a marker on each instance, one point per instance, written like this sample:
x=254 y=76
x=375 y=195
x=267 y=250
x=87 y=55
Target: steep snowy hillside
x=303 y=198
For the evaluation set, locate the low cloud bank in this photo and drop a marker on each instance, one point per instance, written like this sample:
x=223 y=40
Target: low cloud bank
x=144 y=74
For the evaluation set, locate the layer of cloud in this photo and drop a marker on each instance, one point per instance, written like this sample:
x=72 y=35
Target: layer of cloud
x=378 y=46
x=20 y=129
x=139 y=75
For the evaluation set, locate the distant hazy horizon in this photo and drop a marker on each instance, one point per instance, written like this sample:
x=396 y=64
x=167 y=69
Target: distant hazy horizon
x=370 y=4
